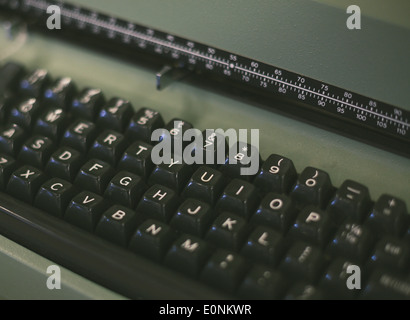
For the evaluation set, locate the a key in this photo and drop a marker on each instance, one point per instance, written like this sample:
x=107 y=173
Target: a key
x=85 y=210
x=64 y=163
x=277 y=174
x=94 y=176
x=87 y=104
x=143 y=124
x=312 y=187
x=115 y=115
x=54 y=196
x=109 y=147
x=240 y=197
x=12 y=138
x=152 y=239
x=206 y=184
x=117 y=224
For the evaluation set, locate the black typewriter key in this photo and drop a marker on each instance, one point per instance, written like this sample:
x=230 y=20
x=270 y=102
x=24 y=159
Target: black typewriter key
x=7 y=166
x=305 y=291
x=275 y=211
x=262 y=283
x=304 y=262
x=173 y=174
x=117 y=224
x=87 y=104
x=80 y=135
x=312 y=187
x=193 y=217
x=115 y=115
x=54 y=196
x=137 y=159
x=265 y=245
x=25 y=182
x=6 y=103
x=158 y=203
x=143 y=123
x=52 y=123
x=173 y=133
x=212 y=152
x=109 y=146
x=188 y=254
x=25 y=113
x=313 y=226
x=240 y=197
x=206 y=184
x=94 y=176
x=351 y=200
x=36 y=151
x=125 y=189
x=224 y=270
x=352 y=241
x=384 y=285
x=228 y=231
x=85 y=210
x=392 y=254
x=389 y=215
x=243 y=161
x=12 y=138
x=64 y=163
x=60 y=93
x=337 y=275
x=10 y=76
x=34 y=84
x=152 y=239
x=277 y=174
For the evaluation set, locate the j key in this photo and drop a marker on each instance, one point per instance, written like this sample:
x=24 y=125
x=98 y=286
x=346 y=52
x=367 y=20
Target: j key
x=52 y=123
x=152 y=239
x=392 y=254
x=64 y=163
x=239 y=197
x=34 y=84
x=54 y=196
x=158 y=203
x=262 y=283
x=312 y=187
x=386 y=286
x=188 y=254
x=85 y=210
x=137 y=159
x=352 y=241
x=80 y=135
x=142 y=124
x=303 y=262
x=109 y=146
x=25 y=113
x=206 y=184
x=193 y=217
x=228 y=231
x=115 y=115
x=173 y=174
x=265 y=245
x=275 y=211
x=313 y=226
x=10 y=75
x=12 y=138
x=335 y=279
x=242 y=162
x=351 y=200
x=60 y=93
x=36 y=151
x=213 y=150
x=173 y=133
x=277 y=174
x=304 y=291
x=25 y=182
x=389 y=215
x=87 y=104
x=117 y=224
x=224 y=270
x=7 y=166
x=125 y=189
x=94 y=176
